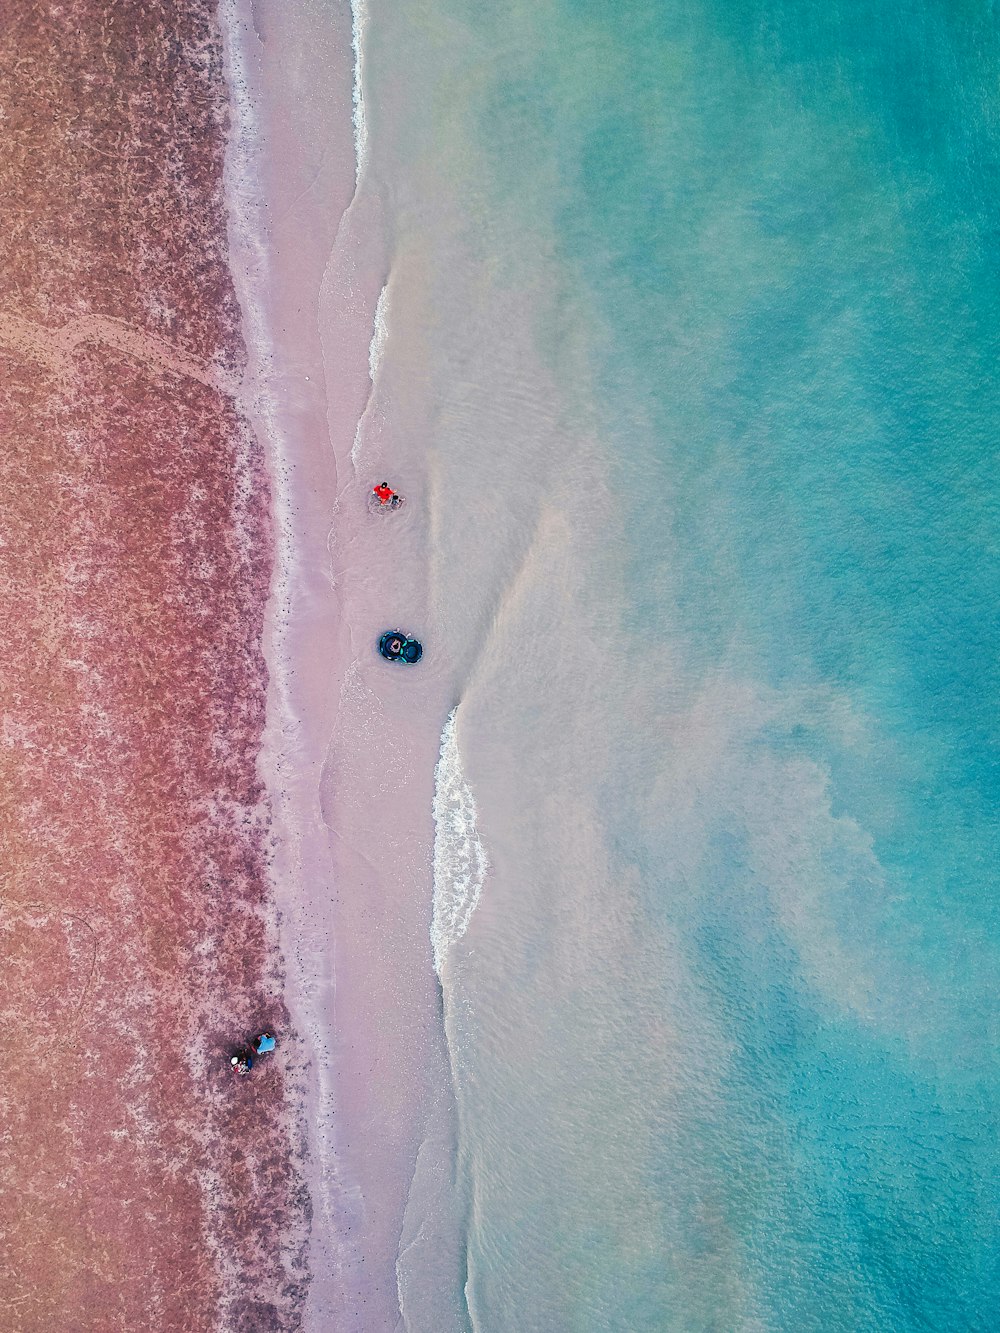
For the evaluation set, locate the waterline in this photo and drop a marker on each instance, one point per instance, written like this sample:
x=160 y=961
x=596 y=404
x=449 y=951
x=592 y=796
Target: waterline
x=460 y=862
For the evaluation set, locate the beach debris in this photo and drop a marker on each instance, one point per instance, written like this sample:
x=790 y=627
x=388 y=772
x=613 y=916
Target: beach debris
x=384 y=497
x=395 y=646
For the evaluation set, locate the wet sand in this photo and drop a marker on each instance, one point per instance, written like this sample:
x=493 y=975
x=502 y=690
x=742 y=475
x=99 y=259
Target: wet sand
x=289 y=179
x=142 y=1186
x=351 y=743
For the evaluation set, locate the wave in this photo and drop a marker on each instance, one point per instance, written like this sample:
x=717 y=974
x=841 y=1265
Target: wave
x=460 y=862
x=359 y=22
x=380 y=333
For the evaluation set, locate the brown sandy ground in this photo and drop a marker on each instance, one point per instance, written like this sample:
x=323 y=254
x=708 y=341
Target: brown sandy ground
x=142 y=1186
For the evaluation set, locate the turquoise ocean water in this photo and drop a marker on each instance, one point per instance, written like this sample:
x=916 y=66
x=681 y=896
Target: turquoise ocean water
x=692 y=362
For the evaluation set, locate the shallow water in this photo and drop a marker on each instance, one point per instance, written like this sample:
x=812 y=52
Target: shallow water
x=687 y=358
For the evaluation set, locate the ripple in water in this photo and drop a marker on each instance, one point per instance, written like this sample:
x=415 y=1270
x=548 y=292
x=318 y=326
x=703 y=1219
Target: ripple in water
x=460 y=862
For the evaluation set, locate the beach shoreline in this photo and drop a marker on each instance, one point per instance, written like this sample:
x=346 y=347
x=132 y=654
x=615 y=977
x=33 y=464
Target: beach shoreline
x=284 y=400
x=352 y=841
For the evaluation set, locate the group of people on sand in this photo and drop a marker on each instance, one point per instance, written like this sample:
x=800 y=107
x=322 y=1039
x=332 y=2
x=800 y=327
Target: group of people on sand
x=242 y=1061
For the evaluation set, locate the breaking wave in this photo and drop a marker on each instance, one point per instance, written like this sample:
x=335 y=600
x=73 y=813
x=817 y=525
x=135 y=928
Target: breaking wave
x=359 y=21
x=380 y=332
x=460 y=862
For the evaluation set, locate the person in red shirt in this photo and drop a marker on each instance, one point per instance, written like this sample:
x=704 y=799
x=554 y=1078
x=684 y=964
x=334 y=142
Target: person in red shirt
x=385 y=495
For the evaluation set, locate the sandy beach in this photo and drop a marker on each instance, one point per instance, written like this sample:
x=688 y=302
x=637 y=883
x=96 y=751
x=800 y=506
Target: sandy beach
x=350 y=744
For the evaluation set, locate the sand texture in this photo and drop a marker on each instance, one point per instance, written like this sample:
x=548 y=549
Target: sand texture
x=141 y=1185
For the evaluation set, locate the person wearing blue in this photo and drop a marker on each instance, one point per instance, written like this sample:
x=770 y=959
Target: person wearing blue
x=264 y=1043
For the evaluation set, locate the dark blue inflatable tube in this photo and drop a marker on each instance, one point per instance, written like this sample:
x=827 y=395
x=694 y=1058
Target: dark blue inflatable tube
x=395 y=646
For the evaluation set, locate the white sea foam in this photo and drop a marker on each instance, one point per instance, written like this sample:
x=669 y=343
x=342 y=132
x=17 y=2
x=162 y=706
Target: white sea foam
x=380 y=332
x=359 y=22
x=376 y=348
x=460 y=862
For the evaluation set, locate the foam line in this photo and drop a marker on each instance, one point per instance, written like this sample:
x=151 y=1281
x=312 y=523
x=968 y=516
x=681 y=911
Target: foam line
x=359 y=22
x=460 y=862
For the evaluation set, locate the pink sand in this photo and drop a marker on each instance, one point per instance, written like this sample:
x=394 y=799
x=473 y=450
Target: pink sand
x=351 y=742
